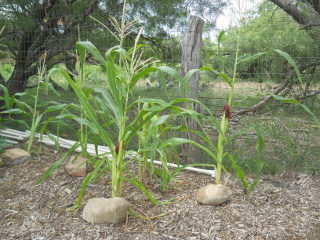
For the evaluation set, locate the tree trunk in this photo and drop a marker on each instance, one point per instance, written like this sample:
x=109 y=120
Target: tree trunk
x=45 y=40
x=191 y=46
x=23 y=69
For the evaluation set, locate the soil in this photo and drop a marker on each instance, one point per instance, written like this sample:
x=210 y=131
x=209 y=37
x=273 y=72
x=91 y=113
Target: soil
x=281 y=207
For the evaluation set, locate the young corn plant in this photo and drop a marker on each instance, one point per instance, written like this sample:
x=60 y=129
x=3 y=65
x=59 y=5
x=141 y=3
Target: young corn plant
x=14 y=106
x=103 y=108
x=217 y=151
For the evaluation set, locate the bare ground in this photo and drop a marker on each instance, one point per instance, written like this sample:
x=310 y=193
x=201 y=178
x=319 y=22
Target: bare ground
x=281 y=207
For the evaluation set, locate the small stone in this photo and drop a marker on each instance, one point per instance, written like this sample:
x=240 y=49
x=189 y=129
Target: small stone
x=77 y=167
x=67 y=191
x=106 y=210
x=214 y=194
x=15 y=156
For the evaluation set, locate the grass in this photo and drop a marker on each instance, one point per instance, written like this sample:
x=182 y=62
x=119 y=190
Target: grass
x=291 y=144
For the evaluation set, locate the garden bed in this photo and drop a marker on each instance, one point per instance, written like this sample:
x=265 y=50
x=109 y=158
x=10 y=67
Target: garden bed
x=281 y=207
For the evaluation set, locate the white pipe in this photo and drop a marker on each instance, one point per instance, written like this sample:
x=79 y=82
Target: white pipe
x=65 y=143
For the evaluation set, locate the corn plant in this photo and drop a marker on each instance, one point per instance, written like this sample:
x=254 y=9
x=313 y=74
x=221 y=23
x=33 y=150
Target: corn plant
x=14 y=106
x=217 y=150
x=102 y=108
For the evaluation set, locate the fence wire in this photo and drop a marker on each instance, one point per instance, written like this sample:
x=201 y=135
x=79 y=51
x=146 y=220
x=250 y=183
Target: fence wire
x=49 y=35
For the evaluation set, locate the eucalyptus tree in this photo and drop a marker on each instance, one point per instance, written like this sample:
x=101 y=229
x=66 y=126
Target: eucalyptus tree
x=45 y=29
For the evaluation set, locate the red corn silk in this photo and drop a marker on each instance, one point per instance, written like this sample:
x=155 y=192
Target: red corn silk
x=227 y=111
x=118 y=146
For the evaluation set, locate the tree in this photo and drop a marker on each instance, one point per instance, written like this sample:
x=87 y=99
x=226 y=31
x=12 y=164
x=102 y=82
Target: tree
x=266 y=29
x=40 y=30
x=44 y=29
x=307 y=14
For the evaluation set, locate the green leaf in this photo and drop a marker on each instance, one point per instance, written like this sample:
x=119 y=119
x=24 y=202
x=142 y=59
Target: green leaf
x=14 y=111
x=140 y=75
x=239 y=172
x=51 y=87
x=221 y=34
x=56 y=108
x=89 y=178
x=252 y=57
x=109 y=102
x=82 y=46
x=240 y=132
x=57 y=164
x=224 y=76
x=5 y=97
x=172 y=72
x=161 y=120
x=259 y=161
x=291 y=61
x=293 y=101
x=138 y=184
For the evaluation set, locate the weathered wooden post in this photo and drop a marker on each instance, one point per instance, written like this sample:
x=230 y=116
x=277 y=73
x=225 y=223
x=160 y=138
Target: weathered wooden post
x=191 y=46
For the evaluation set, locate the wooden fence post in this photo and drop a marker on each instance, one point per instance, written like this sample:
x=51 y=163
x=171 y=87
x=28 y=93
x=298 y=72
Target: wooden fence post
x=191 y=46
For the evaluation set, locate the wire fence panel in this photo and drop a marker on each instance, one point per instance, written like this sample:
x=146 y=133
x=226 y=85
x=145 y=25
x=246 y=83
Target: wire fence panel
x=44 y=33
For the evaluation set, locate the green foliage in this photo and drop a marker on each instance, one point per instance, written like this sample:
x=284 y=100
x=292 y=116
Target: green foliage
x=5 y=71
x=267 y=29
x=290 y=143
x=14 y=106
x=222 y=137
x=102 y=107
x=3 y=144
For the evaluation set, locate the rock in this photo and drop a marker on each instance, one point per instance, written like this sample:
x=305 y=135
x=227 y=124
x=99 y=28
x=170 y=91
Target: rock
x=15 y=156
x=75 y=168
x=105 y=210
x=214 y=194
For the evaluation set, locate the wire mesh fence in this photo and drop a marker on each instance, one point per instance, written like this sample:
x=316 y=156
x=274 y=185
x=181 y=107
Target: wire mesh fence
x=46 y=31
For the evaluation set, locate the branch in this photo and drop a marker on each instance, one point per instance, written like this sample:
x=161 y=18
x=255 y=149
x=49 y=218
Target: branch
x=165 y=50
x=315 y=93
x=309 y=26
x=44 y=9
x=44 y=44
x=292 y=10
x=286 y=84
x=259 y=105
x=315 y=4
x=85 y=14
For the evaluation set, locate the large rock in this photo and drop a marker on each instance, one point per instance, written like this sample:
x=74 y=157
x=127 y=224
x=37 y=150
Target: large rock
x=105 y=210
x=214 y=194
x=77 y=167
x=15 y=156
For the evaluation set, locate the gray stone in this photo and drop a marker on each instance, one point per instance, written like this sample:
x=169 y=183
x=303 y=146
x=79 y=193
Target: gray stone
x=77 y=167
x=15 y=156
x=214 y=194
x=106 y=210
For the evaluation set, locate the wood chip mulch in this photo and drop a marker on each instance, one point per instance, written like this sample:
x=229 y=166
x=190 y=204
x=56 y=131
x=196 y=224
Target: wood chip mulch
x=281 y=207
